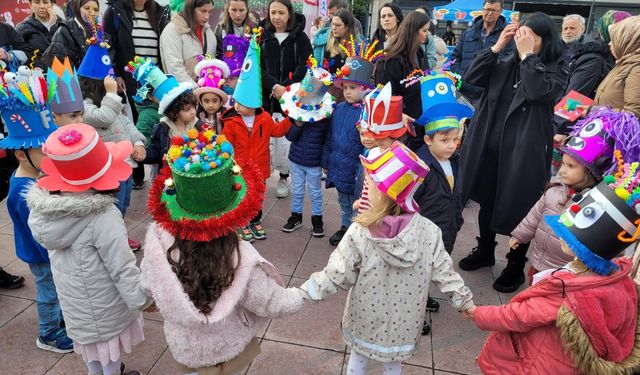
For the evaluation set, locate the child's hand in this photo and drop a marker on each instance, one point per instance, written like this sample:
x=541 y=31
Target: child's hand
x=151 y=309
x=513 y=243
x=110 y=85
x=299 y=123
x=471 y=313
x=139 y=153
x=278 y=91
x=356 y=205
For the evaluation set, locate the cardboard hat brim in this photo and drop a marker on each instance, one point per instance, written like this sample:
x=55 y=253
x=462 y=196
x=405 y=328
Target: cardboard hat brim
x=338 y=82
x=172 y=95
x=442 y=110
x=17 y=143
x=203 y=90
x=290 y=108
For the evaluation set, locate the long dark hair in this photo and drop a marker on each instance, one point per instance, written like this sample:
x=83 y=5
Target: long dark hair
x=151 y=8
x=405 y=42
x=292 y=15
x=188 y=11
x=205 y=269
x=92 y=89
x=544 y=27
x=396 y=11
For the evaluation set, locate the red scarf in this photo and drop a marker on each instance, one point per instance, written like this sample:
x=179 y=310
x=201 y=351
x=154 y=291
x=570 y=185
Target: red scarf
x=199 y=34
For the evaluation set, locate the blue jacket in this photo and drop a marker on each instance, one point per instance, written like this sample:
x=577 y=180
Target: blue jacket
x=307 y=143
x=27 y=249
x=343 y=148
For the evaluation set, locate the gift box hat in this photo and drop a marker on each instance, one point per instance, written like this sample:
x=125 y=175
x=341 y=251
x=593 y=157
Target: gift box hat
x=151 y=80
x=211 y=75
x=397 y=172
x=234 y=50
x=78 y=160
x=96 y=63
x=24 y=107
x=605 y=221
x=248 y=91
x=203 y=193
x=382 y=114
x=68 y=96
x=358 y=66
x=309 y=101
x=593 y=139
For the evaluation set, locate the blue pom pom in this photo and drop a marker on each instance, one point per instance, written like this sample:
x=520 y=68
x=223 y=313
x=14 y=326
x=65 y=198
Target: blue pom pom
x=226 y=147
x=218 y=162
x=185 y=138
x=205 y=167
x=186 y=153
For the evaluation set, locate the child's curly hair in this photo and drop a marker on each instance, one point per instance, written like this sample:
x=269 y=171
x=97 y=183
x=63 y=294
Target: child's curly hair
x=182 y=102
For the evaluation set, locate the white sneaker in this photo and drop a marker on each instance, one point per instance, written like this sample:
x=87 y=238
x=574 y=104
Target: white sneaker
x=282 y=191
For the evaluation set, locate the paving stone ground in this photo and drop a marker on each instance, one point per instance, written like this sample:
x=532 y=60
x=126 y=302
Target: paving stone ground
x=306 y=343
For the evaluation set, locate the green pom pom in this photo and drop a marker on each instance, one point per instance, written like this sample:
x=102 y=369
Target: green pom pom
x=609 y=179
x=281 y=101
x=195 y=168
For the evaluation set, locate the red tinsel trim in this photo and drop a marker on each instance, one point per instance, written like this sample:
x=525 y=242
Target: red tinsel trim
x=214 y=227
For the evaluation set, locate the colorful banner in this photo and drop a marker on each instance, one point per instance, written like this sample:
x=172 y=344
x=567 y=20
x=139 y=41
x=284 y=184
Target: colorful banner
x=14 y=11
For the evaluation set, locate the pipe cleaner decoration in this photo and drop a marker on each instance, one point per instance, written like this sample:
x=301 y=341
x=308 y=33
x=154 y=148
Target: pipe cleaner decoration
x=358 y=52
x=626 y=181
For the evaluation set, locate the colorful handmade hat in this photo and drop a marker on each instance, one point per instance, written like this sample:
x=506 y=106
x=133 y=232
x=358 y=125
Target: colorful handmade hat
x=397 y=172
x=382 y=114
x=24 y=107
x=234 y=51
x=309 y=101
x=166 y=88
x=68 y=96
x=593 y=139
x=204 y=194
x=605 y=221
x=211 y=75
x=248 y=91
x=78 y=160
x=358 y=67
x=96 y=63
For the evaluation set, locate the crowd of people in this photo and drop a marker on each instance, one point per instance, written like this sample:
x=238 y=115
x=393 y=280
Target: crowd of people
x=406 y=136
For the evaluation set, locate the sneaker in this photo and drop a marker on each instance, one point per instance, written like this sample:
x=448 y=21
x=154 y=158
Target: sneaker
x=294 y=222
x=432 y=305
x=258 y=231
x=316 y=222
x=246 y=234
x=9 y=281
x=337 y=236
x=134 y=245
x=138 y=185
x=513 y=274
x=282 y=190
x=426 y=328
x=124 y=367
x=480 y=256
x=57 y=342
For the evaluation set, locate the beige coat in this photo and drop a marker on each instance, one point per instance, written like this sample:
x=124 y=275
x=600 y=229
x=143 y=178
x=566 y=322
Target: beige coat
x=620 y=89
x=388 y=281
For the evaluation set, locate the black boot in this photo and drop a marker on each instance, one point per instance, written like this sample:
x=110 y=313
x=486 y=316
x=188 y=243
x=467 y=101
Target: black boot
x=426 y=328
x=9 y=281
x=513 y=274
x=318 y=227
x=480 y=256
x=337 y=236
x=432 y=305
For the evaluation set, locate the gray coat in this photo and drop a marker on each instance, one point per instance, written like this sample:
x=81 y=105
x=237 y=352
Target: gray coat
x=93 y=267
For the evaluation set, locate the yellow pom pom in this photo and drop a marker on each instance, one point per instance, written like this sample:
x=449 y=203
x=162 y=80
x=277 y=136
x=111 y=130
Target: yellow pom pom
x=221 y=139
x=192 y=133
x=175 y=152
x=622 y=193
x=209 y=134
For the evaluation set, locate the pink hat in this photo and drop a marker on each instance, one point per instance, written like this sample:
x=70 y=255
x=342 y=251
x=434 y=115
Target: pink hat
x=211 y=75
x=397 y=172
x=77 y=160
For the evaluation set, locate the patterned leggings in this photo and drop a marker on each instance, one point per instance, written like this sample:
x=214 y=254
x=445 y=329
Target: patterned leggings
x=358 y=365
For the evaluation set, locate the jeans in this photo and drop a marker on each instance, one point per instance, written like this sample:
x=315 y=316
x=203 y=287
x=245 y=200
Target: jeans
x=346 y=207
x=49 y=313
x=312 y=176
x=124 y=195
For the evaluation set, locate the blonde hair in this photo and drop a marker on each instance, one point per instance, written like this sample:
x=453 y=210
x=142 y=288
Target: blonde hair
x=381 y=206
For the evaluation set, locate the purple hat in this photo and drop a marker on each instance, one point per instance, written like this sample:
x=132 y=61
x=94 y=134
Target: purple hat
x=234 y=50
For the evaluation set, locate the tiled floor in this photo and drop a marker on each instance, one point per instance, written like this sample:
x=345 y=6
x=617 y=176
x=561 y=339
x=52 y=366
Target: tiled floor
x=306 y=343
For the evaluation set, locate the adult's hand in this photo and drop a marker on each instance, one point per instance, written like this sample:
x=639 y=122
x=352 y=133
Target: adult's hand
x=559 y=139
x=121 y=85
x=505 y=37
x=4 y=55
x=53 y=17
x=525 y=42
x=278 y=91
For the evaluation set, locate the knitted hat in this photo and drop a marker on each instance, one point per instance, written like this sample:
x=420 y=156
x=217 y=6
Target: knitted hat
x=204 y=194
x=397 y=172
x=309 y=101
x=608 y=19
x=248 y=91
x=382 y=114
x=24 y=107
x=96 y=63
x=358 y=67
x=68 y=96
x=166 y=88
x=211 y=75
x=78 y=160
x=603 y=223
x=234 y=50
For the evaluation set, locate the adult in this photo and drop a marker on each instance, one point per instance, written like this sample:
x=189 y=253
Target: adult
x=315 y=26
x=336 y=5
x=573 y=26
x=404 y=56
x=609 y=18
x=449 y=36
x=506 y=154
x=620 y=89
x=328 y=45
x=187 y=36
x=389 y=17
x=38 y=29
x=13 y=49
x=429 y=47
x=235 y=20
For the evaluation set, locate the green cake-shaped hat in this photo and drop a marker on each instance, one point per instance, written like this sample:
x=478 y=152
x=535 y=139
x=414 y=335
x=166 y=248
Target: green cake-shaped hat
x=203 y=193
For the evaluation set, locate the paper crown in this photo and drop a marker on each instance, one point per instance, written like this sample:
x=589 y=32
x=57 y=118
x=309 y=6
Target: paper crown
x=68 y=96
x=203 y=194
x=248 y=91
x=309 y=100
x=166 y=88
x=382 y=114
x=234 y=50
x=397 y=172
x=593 y=139
x=24 y=107
x=211 y=76
x=605 y=221
x=358 y=67
x=96 y=63
x=78 y=160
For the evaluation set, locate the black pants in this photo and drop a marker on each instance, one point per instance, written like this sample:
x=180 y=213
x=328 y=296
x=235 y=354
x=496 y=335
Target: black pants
x=138 y=173
x=485 y=190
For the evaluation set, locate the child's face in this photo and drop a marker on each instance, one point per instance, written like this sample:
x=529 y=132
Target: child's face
x=187 y=114
x=244 y=111
x=353 y=93
x=35 y=154
x=210 y=102
x=384 y=143
x=571 y=172
x=231 y=82
x=367 y=142
x=63 y=119
x=442 y=145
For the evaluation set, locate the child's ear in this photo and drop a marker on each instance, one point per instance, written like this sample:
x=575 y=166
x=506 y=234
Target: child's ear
x=427 y=140
x=21 y=155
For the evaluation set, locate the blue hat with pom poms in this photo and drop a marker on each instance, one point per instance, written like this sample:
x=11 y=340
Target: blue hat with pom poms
x=96 y=63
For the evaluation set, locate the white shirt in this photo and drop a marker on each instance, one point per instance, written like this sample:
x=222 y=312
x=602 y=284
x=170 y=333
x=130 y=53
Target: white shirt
x=248 y=120
x=448 y=171
x=281 y=36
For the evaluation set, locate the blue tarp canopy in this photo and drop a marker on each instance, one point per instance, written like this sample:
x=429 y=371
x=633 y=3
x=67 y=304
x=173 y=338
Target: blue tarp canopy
x=463 y=11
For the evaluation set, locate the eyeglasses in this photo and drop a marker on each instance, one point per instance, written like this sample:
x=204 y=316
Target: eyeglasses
x=490 y=11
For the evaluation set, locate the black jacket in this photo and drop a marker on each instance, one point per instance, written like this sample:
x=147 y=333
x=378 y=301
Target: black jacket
x=11 y=39
x=284 y=63
x=519 y=122
x=436 y=200
x=37 y=36
x=160 y=143
x=68 y=40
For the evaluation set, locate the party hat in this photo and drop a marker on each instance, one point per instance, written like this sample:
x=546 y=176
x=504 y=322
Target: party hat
x=309 y=101
x=211 y=76
x=248 y=91
x=96 y=63
x=68 y=96
x=358 y=66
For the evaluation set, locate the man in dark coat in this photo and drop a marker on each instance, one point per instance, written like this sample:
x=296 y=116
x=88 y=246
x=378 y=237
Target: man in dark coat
x=12 y=45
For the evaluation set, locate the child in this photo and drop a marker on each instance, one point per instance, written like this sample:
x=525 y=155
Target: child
x=67 y=104
x=249 y=128
x=73 y=211
x=310 y=104
x=580 y=318
x=26 y=144
x=212 y=74
x=387 y=260
x=234 y=50
x=213 y=290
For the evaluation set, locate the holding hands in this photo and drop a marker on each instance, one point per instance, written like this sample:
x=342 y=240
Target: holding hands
x=470 y=314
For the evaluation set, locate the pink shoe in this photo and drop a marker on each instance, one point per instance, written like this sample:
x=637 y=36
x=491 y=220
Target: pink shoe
x=134 y=245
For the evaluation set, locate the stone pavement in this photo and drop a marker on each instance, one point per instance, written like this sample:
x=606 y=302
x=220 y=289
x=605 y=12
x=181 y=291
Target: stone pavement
x=306 y=343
